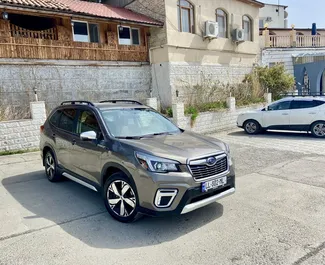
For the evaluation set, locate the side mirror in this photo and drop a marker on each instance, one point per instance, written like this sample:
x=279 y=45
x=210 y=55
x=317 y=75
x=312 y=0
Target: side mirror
x=88 y=136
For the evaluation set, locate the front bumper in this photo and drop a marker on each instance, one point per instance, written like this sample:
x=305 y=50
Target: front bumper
x=193 y=199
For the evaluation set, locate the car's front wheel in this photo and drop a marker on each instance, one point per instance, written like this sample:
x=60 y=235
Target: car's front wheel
x=252 y=127
x=121 y=199
x=318 y=129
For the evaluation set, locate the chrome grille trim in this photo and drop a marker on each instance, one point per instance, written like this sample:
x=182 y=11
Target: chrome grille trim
x=202 y=171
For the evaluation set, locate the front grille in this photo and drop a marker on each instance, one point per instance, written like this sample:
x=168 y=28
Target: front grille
x=203 y=171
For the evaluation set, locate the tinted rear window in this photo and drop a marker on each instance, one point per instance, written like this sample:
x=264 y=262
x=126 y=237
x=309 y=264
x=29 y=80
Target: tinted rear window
x=55 y=118
x=304 y=104
x=67 y=120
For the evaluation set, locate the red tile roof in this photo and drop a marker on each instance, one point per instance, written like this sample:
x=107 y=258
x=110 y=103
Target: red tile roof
x=48 y=4
x=86 y=8
x=106 y=11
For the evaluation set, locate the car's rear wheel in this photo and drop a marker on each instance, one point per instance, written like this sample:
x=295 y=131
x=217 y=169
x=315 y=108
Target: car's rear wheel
x=318 y=129
x=51 y=169
x=121 y=198
x=252 y=127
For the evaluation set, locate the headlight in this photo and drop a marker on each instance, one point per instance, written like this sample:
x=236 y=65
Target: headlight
x=156 y=164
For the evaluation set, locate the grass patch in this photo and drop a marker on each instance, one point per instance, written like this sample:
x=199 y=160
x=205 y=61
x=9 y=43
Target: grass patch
x=16 y=152
x=167 y=112
x=194 y=110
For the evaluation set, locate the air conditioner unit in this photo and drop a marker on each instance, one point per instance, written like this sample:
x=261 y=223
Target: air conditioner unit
x=269 y=19
x=238 y=35
x=211 y=30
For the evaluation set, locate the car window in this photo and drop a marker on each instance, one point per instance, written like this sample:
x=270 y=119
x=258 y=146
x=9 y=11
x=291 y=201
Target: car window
x=87 y=122
x=54 y=120
x=67 y=120
x=303 y=104
x=318 y=102
x=282 y=105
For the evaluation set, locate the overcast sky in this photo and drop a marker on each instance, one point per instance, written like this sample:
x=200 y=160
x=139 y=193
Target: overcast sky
x=302 y=13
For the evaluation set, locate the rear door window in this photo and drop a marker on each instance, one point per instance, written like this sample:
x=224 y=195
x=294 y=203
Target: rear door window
x=55 y=118
x=303 y=104
x=67 y=120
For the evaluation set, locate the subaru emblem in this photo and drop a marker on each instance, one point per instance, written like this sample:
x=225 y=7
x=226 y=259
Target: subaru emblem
x=211 y=161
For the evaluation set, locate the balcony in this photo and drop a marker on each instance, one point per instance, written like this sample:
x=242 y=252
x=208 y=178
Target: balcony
x=291 y=40
x=56 y=43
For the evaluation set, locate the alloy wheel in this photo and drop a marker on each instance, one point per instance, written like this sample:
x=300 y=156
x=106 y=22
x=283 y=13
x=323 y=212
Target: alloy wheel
x=319 y=129
x=251 y=127
x=50 y=165
x=121 y=198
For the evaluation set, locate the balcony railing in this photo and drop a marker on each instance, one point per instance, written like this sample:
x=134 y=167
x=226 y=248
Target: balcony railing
x=49 y=34
x=34 y=48
x=291 y=40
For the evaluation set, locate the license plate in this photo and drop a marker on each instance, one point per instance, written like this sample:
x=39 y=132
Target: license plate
x=214 y=184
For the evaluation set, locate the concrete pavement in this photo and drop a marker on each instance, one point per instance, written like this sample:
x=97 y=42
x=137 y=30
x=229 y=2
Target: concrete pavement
x=277 y=215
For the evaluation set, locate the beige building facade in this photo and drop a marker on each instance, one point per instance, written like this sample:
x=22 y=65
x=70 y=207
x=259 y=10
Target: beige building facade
x=181 y=56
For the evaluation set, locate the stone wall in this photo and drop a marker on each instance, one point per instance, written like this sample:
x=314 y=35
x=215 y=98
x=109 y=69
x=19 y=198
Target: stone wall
x=23 y=134
x=208 y=122
x=57 y=81
x=156 y=10
x=169 y=77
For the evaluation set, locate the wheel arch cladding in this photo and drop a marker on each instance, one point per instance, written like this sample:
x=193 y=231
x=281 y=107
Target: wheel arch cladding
x=110 y=168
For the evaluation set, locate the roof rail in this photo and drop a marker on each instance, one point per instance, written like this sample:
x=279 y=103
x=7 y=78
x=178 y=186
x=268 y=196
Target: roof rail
x=73 y=102
x=122 y=101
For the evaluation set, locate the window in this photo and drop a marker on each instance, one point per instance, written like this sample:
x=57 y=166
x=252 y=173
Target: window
x=261 y=23
x=67 y=120
x=85 y=32
x=222 y=23
x=247 y=26
x=185 y=16
x=54 y=120
x=305 y=104
x=87 y=122
x=128 y=36
x=283 y=105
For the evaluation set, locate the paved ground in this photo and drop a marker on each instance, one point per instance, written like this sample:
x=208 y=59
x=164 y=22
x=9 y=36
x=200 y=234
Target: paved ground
x=277 y=215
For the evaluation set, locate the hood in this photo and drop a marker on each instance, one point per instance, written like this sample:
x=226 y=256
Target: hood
x=179 y=147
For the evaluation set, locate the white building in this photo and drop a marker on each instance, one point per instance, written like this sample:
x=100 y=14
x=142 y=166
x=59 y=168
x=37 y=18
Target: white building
x=275 y=16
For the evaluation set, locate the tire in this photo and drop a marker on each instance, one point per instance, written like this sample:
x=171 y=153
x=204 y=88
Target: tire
x=252 y=127
x=121 y=198
x=318 y=129
x=51 y=169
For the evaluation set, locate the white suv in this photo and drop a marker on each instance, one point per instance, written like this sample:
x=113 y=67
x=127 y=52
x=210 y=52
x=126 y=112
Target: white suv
x=293 y=114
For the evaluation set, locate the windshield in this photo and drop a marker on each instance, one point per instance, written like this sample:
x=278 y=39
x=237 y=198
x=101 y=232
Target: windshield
x=124 y=123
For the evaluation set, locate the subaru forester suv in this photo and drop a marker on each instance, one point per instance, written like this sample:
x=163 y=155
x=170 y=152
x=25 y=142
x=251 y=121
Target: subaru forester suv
x=136 y=158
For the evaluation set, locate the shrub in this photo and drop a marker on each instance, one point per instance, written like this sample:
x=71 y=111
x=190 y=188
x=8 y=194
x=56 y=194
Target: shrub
x=274 y=80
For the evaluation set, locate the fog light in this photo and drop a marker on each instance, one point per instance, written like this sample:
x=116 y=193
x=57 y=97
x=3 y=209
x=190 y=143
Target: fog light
x=165 y=197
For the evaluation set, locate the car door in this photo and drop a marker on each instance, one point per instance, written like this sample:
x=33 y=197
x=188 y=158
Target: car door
x=87 y=155
x=64 y=135
x=303 y=113
x=277 y=115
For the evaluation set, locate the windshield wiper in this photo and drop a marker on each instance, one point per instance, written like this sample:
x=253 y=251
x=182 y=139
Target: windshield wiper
x=130 y=137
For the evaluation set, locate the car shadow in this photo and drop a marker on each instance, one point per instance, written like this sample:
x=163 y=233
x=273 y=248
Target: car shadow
x=82 y=214
x=278 y=134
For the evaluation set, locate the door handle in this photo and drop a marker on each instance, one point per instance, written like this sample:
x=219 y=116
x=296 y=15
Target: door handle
x=74 y=142
x=285 y=114
x=312 y=113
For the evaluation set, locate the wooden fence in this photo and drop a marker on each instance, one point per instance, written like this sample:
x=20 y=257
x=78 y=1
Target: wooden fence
x=49 y=34
x=29 y=48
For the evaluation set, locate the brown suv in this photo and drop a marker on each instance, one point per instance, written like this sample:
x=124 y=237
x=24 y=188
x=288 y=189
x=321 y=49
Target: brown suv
x=136 y=158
